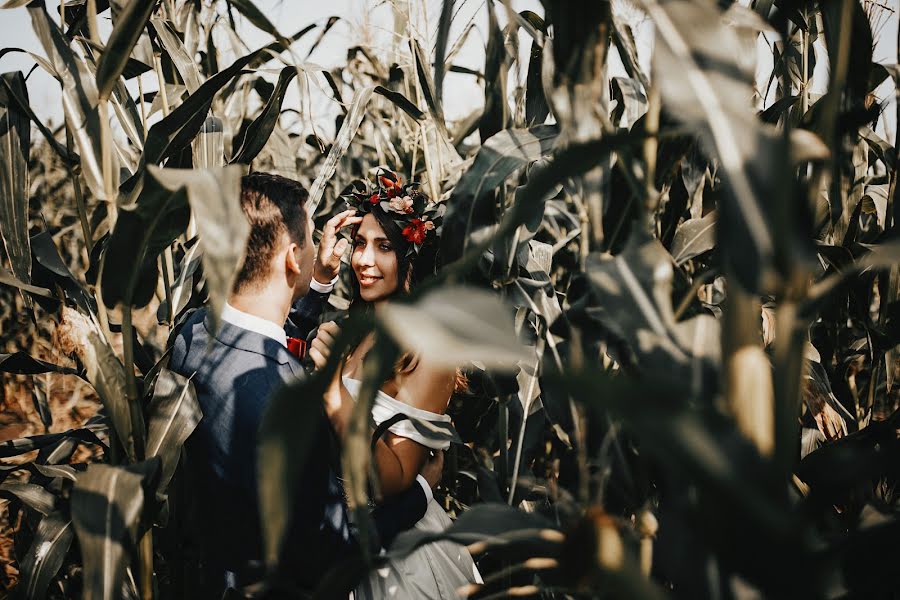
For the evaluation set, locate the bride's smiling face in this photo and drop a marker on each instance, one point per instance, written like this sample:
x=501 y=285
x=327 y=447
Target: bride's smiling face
x=374 y=261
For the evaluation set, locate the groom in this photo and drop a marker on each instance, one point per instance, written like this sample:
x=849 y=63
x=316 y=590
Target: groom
x=283 y=282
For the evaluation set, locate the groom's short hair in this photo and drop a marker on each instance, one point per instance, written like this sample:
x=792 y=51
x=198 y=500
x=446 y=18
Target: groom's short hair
x=273 y=205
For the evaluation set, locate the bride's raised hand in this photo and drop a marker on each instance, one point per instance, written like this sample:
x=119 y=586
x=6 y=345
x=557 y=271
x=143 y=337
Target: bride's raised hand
x=338 y=403
x=320 y=349
x=328 y=256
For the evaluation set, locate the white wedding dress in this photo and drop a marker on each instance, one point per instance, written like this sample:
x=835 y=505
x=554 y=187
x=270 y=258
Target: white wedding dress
x=436 y=570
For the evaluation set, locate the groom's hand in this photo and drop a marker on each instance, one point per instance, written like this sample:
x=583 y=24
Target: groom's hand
x=320 y=349
x=328 y=257
x=433 y=469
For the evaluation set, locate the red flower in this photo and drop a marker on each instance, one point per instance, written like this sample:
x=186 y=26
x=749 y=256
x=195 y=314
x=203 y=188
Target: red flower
x=415 y=232
x=374 y=199
x=389 y=183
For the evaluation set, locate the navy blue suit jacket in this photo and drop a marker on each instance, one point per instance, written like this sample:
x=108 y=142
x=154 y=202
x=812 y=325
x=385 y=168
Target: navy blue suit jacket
x=235 y=372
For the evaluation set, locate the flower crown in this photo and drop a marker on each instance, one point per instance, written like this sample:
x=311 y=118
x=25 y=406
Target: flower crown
x=418 y=219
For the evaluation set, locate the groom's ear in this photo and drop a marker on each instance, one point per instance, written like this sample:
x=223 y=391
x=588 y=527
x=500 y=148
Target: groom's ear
x=292 y=259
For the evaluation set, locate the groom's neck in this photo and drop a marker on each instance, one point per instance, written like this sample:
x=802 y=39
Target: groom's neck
x=266 y=302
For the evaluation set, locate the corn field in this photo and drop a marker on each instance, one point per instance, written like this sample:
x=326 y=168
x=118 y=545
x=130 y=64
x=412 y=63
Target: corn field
x=676 y=292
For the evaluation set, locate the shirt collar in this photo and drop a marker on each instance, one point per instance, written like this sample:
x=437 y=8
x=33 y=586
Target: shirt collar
x=239 y=318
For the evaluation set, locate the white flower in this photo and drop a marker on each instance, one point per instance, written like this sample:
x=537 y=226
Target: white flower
x=402 y=205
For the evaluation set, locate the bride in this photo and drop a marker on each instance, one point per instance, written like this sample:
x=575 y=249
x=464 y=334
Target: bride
x=390 y=255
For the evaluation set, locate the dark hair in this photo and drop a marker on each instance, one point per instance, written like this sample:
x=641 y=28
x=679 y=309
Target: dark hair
x=273 y=205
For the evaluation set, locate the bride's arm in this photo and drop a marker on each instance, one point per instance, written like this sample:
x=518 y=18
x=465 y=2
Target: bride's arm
x=338 y=404
x=399 y=459
x=338 y=401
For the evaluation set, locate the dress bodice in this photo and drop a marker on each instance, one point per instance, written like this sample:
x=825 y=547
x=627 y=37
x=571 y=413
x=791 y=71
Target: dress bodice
x=430 y=429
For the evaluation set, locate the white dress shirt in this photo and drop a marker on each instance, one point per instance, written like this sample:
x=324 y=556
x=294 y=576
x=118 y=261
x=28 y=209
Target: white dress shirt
x=239 y=318
x=323 y=288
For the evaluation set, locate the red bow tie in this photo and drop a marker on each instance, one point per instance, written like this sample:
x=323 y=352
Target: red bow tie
x=297 y=347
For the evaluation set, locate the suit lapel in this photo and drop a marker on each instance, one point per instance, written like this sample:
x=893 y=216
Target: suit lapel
x=294 y=363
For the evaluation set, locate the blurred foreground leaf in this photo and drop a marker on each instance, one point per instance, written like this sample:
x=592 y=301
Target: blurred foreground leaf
x=455 y=326
x=106 y=508
x=214 y=195
x=491 y=525
x=712 y=96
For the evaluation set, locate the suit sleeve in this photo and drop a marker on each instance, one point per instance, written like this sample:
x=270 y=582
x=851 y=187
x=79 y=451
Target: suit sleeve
x=305 y=314
x=399 y=513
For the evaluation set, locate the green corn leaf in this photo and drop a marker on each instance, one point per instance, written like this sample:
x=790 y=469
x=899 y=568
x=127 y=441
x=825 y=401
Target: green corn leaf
x=175 y=131
x=29 y=494
x=46 y=555
x=106 y=508
x=261 y=128
x=268 y=53
x=342 y=141
x=129 y=26
x=173 y=415
x=498 y=159
x=426 y=84
x=440 y=48
x=81 y=98
x=401 y=101
x=143 y=230
x=694 y=237
x=713 y=98
x=13 y=98
x=259 y=20
x=79 y=334
x=184 y=62
x=15 y=140
x=23 y=363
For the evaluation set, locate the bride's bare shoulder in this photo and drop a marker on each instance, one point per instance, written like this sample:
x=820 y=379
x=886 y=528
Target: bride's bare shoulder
x=427 y=386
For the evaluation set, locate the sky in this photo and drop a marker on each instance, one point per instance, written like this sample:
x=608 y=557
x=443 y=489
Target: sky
x=369 y=22
x=372 y=23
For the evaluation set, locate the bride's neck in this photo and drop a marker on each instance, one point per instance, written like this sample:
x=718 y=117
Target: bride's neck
x=354 y=360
